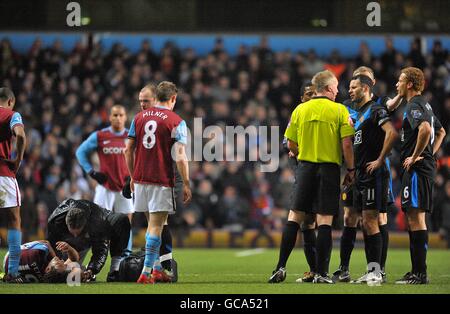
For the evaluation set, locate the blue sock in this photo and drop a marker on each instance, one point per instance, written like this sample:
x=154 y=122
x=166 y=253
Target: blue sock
x=130 y=244
x=152 y=244
x=14 y=241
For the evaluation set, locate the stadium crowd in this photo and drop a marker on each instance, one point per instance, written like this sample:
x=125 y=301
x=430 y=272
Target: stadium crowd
x=64 y=97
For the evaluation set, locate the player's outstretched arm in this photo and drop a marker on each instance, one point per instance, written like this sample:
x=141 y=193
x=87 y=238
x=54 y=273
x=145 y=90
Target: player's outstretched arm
x=393 y=103
x=99 y=256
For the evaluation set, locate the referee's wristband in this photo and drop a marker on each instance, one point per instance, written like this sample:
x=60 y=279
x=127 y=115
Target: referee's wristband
x=351 y=169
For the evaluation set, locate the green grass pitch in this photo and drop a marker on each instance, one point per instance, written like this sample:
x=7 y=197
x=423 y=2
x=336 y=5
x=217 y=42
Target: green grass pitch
x=223 y=271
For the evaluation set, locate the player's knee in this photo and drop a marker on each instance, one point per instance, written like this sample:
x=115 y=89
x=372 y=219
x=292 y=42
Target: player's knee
x=416 y=220
x=296 y=217
x=370 y=224
x=14 y=220
x=382 y=219
x=350 y=219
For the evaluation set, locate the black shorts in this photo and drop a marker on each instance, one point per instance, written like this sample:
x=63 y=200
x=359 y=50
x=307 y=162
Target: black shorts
x=371 y=191
x=120 y=236
x=417 y=192
x=317 y=188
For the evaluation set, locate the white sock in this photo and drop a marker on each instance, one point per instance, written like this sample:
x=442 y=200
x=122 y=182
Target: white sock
x=165 y=257
x=147 y=270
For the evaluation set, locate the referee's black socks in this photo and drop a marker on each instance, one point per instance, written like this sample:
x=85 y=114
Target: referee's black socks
x=309 y=247
x=288 y=239
x=323 y=246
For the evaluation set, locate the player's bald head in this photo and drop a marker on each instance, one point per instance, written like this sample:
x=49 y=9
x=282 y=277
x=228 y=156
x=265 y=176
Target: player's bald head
x=150 y=88
x=147 y=96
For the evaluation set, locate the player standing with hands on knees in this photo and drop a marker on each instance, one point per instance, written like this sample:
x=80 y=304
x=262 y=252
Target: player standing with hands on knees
x=154 y=134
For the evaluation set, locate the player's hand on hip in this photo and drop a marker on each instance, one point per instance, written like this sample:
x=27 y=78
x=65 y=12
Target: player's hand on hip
x=98 y=176
x=373 y=165
x=13 y=164
x=410 y=161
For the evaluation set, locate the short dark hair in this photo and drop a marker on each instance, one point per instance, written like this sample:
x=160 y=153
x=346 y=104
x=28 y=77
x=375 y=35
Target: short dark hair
x=76 y=218
x=165 y=90
x=53 y=276
x=364 y=79
x=6 y=93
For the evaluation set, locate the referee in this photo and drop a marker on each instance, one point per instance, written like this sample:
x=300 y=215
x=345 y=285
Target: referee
x=319 y=133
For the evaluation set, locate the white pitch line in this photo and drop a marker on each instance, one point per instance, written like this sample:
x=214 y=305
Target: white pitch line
x=250 y=252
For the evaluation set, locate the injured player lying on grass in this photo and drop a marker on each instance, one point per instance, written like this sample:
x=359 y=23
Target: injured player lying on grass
x=40 y=263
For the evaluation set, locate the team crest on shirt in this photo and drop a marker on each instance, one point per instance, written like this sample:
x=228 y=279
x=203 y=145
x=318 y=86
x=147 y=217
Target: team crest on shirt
x=383 y=113
x=416 y=113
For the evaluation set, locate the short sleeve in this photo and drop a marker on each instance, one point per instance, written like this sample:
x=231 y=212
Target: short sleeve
x=132 y=131
x=345 y=127
x=437 y=124
x=416 y=115
x=381 y=116
x=181 y=133
x=16 y=119
x=292 y=128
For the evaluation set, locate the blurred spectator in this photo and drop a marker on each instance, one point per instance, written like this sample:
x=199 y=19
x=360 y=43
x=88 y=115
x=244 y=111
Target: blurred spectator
x=233 y=210
x=65 y=96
